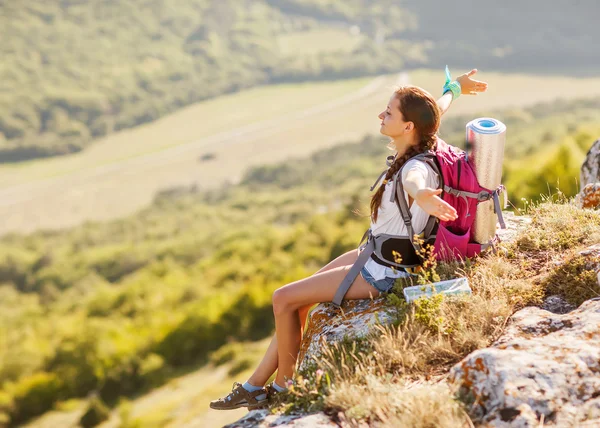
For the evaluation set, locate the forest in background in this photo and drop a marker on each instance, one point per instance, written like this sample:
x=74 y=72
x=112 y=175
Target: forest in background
x=73 y=71
x=119 y=307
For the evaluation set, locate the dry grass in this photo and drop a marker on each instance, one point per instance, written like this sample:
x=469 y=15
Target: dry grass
x=396 y=377
x=398 y=404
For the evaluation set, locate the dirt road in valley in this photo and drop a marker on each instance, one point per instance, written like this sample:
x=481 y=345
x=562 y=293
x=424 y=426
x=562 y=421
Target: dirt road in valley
x=122 y=187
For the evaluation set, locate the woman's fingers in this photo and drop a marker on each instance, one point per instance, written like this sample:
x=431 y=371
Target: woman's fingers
x=445 y=211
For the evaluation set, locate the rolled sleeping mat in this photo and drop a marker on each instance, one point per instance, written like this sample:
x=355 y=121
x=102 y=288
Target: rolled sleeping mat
x=485 y=139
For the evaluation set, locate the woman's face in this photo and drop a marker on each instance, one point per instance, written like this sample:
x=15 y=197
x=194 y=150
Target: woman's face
x=392 y=121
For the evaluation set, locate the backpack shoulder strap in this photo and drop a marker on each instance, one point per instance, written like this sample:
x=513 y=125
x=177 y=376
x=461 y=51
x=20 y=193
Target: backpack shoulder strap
x=398 y=196
x=430 y=159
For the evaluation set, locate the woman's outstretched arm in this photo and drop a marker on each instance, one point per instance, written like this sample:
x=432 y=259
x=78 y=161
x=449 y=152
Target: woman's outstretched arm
x=468 y=86
x=444 y=102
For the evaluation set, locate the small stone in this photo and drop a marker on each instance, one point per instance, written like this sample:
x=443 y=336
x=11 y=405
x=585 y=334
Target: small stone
x=557 y=305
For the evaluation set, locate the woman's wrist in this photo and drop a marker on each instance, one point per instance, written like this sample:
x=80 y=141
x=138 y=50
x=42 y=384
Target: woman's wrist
x=451 y=85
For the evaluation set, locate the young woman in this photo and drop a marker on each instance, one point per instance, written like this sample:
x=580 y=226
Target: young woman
x=411 y=120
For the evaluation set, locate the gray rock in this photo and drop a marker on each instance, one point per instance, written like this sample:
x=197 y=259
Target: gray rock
x=590 y=170
x=545 y=365
x=514 y=225
x=262 y=418
x=557 y=305
x=355 y=320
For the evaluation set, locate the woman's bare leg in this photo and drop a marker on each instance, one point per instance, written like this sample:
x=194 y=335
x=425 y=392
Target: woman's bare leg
x=268 y=365
x=287 y=299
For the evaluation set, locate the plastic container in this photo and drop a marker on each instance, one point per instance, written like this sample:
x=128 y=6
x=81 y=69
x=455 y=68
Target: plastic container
x=452 y=286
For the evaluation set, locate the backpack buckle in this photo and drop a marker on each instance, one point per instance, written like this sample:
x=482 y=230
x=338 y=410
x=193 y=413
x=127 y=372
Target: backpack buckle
x=484 y=196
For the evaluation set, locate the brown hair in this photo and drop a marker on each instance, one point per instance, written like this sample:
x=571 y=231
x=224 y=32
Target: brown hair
x=417 y=106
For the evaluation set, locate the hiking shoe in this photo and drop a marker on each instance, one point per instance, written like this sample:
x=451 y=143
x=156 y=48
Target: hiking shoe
x=240 y=397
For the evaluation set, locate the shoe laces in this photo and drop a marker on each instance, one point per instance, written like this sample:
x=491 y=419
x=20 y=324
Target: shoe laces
x=234 y=391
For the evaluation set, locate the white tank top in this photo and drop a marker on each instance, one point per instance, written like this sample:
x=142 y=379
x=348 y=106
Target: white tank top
x=390 y=221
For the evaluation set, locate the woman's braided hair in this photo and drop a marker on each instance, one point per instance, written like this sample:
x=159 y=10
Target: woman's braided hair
x=417 y=106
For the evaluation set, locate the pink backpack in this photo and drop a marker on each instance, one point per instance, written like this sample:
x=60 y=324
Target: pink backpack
x=455 y=239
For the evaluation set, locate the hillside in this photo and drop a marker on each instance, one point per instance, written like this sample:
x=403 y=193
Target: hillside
x=215 y=142
x=123 y=306
x=74 y=71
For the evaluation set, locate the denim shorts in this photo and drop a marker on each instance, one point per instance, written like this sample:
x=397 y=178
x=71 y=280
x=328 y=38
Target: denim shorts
x=382 y=285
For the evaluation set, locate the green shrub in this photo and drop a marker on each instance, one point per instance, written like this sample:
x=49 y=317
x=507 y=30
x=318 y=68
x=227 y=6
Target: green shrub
x=96 y=413
x=35 y=394
x=240 y=365
x=226 y=353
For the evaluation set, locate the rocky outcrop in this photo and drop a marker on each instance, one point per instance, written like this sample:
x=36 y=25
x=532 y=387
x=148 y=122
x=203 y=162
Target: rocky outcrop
x=514 y=224
x=546 y=366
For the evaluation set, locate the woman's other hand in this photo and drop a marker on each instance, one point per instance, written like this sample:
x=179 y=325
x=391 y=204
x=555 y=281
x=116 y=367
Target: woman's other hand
x=469 y=86
x=432 y=204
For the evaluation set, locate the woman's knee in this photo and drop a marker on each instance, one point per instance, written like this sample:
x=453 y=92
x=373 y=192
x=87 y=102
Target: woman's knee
x=281 y=302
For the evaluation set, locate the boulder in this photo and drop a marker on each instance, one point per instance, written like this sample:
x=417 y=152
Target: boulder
x=590 y=170
x=355 y=319
x=545 y=366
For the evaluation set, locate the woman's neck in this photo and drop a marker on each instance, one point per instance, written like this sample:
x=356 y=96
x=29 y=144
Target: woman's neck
x=402 y=146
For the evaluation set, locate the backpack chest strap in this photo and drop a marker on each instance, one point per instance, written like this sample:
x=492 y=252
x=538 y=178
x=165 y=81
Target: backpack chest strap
x=484 y=196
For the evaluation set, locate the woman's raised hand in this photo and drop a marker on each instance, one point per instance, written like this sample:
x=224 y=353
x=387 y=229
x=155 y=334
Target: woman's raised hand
x=432 y=204
x=469 y=86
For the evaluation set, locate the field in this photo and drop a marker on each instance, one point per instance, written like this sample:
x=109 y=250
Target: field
x=213 y=142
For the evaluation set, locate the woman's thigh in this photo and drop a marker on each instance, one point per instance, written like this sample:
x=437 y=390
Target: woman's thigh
x=320 y=287
x=345 y=259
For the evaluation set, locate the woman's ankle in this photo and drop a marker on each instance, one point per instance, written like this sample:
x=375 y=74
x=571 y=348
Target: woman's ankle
x=256 y=382
x=278 y=387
